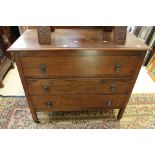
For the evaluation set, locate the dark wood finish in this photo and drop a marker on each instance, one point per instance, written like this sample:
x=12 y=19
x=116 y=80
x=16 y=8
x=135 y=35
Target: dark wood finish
x=80 y=76
x=121 y=112
x=118 y=33
x=78 y=86
x=75 y=52
x=19 y=66
x=4 y=67
x=76 y=102
x=44 y=35
x=1 y=84
x=6 y=59
x=122 y=109
x=79 y=65
x=75 y=39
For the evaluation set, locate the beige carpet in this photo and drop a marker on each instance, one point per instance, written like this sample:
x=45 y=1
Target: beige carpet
x=140 y=113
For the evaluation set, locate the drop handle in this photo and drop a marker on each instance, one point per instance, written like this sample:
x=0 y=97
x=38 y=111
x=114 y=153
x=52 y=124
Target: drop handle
x=43 y=68
x=109 y=103
x=112 y=88
x=46 y=88
x=49 y=104
x=117 y=67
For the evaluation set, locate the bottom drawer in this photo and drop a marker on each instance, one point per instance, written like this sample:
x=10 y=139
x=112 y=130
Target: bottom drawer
x=77 y=102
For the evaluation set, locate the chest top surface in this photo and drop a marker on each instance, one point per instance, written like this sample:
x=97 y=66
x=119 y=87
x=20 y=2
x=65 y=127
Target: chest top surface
x=75 y=39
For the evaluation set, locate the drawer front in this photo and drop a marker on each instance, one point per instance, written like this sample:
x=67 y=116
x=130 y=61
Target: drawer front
x=77 y=102
x=78 y=86
x=79 y=66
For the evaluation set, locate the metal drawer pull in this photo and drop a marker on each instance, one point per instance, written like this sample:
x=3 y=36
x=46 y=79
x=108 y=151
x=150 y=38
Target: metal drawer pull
x=112 y=88
x=49 y=104
x=117 y=67
x=43 y=68
x=109 y=103
x=45 y=88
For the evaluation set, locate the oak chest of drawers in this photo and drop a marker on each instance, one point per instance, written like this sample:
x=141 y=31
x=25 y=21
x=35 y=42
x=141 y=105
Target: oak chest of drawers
x=76 y=74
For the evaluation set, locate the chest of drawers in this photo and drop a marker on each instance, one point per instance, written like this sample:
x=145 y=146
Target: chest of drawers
x=78 y=77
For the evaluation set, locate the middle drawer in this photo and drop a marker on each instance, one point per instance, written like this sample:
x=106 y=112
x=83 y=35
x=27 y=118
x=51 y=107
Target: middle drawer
x=78 y=86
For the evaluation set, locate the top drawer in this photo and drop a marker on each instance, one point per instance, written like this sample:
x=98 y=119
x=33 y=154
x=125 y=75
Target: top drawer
x=79 y=66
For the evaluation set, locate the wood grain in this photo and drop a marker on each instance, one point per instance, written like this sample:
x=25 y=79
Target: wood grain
x=78 y=86
x=19 y=66
x=76 y=102
x=122 y=109
x=77 y=71
x=79 y=66
x=75 y=39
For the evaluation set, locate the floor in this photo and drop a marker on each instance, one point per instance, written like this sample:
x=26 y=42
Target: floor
x=13 y=86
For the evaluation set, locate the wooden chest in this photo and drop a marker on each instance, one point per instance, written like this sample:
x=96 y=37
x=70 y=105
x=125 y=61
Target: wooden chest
x=74 y=73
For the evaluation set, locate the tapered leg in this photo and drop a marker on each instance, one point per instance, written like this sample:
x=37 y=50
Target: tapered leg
x=120 y=114
x=12 y=65
x=34 y=116
x=33 y=112
x=1 y=84
x=36 y=121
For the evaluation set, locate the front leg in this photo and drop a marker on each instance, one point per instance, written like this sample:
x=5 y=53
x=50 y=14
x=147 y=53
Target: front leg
x=1 y=84
x=12 y=65
x=120 y=114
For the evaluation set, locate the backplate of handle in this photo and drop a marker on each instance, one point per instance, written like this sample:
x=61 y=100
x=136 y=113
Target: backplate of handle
x=117 y=67
x=49 y=104
x=112 y=88
x=45 y=88
x=43 y=68
x=109 y=103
